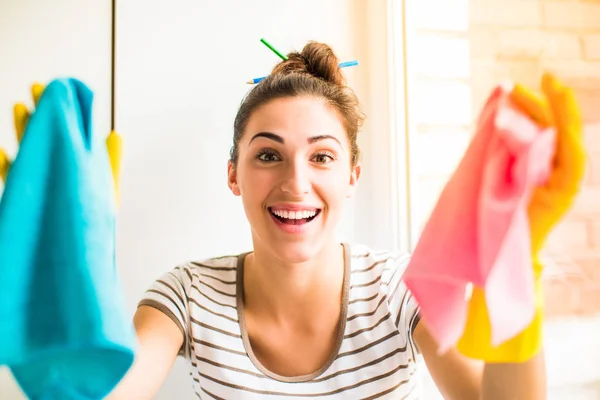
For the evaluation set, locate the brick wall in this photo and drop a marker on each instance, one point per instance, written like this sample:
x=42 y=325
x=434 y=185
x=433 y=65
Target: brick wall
x=458 y=54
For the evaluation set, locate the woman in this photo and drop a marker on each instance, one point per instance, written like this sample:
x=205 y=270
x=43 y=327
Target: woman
x=301 y=315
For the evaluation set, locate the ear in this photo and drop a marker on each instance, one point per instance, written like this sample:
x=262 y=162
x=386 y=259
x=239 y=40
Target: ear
x=354 y=176
x=232 y=181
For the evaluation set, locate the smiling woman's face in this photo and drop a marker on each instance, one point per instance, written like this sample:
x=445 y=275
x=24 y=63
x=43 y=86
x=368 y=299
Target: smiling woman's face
x=294 y=174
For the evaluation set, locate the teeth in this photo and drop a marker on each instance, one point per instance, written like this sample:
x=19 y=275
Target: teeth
x=295 y=214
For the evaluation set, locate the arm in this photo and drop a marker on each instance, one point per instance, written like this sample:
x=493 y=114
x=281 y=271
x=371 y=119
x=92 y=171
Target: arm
x=459 y=377
x=159 y=341
x=526 y=380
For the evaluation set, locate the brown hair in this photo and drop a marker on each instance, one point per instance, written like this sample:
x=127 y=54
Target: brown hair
x=312 y=72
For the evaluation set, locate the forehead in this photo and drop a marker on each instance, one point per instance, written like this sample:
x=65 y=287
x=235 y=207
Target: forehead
x=297 y=117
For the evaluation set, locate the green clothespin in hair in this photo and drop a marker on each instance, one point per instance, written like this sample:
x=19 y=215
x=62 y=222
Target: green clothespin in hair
x=273 y=49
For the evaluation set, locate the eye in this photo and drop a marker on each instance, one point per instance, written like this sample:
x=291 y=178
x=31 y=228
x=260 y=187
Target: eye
x=268 y=156
x=324 y=157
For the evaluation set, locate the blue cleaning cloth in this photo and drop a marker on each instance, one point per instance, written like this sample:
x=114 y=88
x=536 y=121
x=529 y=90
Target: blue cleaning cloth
x=63 y=329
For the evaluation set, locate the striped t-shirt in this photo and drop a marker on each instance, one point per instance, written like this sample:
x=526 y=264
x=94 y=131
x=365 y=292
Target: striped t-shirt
x=375 y=354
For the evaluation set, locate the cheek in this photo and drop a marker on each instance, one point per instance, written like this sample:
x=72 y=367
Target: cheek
x=255 y=184
x=334 y=185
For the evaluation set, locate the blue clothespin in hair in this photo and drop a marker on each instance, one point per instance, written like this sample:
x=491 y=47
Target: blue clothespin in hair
x=341 y=65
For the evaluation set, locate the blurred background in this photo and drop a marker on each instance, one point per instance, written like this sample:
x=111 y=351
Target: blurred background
x=426 y=67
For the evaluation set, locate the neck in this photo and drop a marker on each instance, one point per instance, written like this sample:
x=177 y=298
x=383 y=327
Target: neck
x=274 y=287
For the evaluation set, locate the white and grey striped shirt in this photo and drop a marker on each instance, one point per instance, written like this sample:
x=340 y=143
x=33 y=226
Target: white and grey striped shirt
x=375 y=357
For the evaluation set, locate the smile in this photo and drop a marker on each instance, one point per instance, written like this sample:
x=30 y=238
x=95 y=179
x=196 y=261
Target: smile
x=296 y=217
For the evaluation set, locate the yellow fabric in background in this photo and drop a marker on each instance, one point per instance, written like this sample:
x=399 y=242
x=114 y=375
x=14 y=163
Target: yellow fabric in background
x=114 y=145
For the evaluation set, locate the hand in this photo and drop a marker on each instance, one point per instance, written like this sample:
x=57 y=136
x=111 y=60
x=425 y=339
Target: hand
x=21 y=116
x=547 y=206
x=551 y=201
x=114 y=142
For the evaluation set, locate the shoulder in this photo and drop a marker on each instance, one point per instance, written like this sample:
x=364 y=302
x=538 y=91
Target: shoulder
x=217 y=269
x=206 y=283
x=388 y=264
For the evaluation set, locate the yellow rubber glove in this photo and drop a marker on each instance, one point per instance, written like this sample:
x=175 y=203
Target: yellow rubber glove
x=21 y=116
x=548 y=205
x=114 y=144
x=4 y=165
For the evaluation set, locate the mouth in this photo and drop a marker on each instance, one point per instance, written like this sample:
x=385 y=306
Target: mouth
x=299 y=217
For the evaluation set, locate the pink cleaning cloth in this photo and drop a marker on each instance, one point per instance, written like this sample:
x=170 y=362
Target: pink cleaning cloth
x=478 y=231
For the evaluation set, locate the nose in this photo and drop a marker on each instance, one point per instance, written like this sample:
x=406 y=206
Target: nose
x=296 y=179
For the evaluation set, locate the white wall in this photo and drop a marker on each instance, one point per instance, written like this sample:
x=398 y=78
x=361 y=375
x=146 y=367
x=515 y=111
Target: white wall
x=181 y=72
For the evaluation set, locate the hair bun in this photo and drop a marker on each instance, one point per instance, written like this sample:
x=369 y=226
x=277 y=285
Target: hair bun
x=316 y=59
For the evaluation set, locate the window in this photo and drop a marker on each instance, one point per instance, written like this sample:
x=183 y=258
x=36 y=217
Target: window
x=431 y=103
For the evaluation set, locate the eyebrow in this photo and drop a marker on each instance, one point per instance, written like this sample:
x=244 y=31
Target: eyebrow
x=279 y=139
